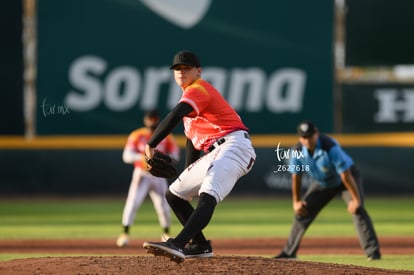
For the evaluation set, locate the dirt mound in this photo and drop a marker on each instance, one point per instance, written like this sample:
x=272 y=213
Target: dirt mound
x=230 y=257
x=160 y=265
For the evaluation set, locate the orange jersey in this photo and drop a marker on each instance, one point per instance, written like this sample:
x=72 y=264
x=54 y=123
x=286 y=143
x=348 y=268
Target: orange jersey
x=139 y=138
x=212 y=118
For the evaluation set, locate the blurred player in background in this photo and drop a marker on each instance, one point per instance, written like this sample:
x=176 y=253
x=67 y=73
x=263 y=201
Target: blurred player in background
x=143 y=183
x=332 y=172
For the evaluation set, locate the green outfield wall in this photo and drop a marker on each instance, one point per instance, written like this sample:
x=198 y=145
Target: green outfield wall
x=371 y=107
x=101 y=64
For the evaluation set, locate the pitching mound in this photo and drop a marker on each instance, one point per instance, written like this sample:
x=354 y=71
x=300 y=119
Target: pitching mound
x=230 y=257
x=161 y=265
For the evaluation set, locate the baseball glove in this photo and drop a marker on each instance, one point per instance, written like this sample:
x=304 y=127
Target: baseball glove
x=161 y=165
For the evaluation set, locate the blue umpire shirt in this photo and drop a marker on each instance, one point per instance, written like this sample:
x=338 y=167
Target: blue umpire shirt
x=326 y=163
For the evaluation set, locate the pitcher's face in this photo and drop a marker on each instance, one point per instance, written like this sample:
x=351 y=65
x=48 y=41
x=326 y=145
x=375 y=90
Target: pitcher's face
x=185 y=75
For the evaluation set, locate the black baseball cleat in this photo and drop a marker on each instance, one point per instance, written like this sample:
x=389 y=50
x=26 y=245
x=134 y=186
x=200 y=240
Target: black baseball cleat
x=375 y=256
x=195 y=250
x=283 y=255
x=165 y=249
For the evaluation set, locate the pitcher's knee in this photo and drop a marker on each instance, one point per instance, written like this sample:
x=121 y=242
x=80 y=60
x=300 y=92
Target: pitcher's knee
x=207 y=199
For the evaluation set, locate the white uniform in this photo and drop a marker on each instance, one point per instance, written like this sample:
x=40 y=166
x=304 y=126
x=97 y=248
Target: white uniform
x=143 y=182
x=235 y=154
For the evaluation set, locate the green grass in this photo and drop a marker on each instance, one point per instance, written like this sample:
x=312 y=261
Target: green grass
x=400 y=262
x=235 y=217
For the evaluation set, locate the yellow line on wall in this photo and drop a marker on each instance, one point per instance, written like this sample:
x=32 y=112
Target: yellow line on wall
x=347 y=140
x=63 y=142
x=118 y=141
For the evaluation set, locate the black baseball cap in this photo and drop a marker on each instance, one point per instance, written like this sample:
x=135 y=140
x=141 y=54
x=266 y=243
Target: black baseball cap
x=306 y=128
x=186 y=58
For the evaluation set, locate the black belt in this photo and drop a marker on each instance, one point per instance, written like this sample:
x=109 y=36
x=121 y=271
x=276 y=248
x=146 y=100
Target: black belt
x=222 y=140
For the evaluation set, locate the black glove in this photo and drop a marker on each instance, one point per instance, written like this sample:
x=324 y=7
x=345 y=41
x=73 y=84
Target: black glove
x=161 y=165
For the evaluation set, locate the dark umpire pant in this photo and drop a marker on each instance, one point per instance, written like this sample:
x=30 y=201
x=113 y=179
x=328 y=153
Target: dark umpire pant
x=317 y=198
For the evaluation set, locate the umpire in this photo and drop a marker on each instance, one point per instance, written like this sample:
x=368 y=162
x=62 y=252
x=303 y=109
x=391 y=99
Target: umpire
x=332 y=171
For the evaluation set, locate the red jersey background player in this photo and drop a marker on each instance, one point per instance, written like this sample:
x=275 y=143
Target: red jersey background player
x=142 y=182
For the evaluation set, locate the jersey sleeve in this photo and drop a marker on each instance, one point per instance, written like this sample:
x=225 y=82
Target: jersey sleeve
x=131 y=143
x=197 y=97
x=341 y=160
x=132 y=153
